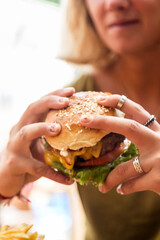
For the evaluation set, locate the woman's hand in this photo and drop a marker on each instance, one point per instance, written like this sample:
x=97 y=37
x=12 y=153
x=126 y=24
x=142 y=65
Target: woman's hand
x=147 y=139
x=21 y=161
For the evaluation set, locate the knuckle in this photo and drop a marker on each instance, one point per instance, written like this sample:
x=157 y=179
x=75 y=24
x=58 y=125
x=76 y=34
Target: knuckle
x=121 y=170
x=58 y=92
x=100 y=121
x=45 y=99
x=40 y=170
x=139 y=108
x=117 y=98
x=11 y=161
x=9 y=145
x=12 y=145
x=49 y=101
x=133 y=126
x=30 y=107
x=23 y=133
x=116 y=177
x=12 y=130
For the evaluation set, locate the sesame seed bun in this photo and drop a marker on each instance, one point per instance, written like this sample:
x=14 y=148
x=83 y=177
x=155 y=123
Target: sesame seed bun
x=73 y=135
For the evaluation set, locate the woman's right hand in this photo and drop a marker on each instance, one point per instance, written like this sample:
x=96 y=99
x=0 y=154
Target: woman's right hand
x=22 y=161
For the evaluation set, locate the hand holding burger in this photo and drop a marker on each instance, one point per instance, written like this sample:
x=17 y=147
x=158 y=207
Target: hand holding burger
x=140 y=127
x=22 y=160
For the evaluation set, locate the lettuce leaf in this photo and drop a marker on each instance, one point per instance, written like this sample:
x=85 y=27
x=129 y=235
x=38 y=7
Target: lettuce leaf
x=96 y=175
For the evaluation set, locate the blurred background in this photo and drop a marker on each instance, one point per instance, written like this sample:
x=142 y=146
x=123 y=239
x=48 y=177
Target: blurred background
x=30 y=36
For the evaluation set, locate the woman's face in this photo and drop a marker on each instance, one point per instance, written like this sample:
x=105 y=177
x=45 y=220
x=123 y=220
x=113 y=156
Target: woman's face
x=126 y=26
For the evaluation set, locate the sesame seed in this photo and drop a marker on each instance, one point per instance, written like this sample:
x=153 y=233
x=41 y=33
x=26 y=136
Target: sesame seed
x=80 y=104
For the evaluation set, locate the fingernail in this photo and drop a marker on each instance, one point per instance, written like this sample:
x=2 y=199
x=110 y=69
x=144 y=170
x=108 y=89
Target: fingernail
x=100 y=188
x=63 y=100
x=86 y=119
x=102 y=99
x=119 y=189
x=70 y=88
x=54 y=127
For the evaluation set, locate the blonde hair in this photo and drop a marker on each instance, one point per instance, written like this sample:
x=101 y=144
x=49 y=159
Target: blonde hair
x=84 y=46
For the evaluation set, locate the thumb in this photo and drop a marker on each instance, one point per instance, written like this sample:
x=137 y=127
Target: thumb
x=40 y=169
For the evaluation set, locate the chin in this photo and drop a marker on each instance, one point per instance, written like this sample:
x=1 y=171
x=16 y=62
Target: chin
x=129 y=46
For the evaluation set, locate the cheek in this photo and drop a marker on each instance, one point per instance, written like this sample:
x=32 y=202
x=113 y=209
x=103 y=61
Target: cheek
x=151 y=20
x=149 y=11
x=96 y=9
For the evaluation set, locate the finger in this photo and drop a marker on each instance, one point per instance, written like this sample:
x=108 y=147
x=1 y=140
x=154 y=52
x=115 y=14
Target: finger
x=131 y=109
x=37 y=110
x=122 y=172
x=134 y=131
x=30 y=132
x=142 y=183
x=65 y=92
x=39 y=169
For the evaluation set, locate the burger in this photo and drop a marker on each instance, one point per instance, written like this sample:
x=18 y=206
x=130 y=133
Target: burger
x=85 y=154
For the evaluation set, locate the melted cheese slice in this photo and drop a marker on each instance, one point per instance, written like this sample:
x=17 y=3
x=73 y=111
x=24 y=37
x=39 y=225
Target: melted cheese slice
x=67 y=158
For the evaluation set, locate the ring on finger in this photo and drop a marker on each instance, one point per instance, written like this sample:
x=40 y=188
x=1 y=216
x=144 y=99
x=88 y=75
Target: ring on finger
x=150 y=121
x=137 y=166
x=121 y=102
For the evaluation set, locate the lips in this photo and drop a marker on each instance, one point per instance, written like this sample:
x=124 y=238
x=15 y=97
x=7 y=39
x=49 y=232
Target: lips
x=123 y=23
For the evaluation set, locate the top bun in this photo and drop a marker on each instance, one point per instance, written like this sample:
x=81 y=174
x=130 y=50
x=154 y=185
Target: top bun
x=73 y=135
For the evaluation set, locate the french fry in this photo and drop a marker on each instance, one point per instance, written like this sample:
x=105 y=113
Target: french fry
x=20 y=232
x=4 y=228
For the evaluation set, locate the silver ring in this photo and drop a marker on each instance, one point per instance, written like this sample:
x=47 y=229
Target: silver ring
x=136 y=165
x=150 y=121
x=121 y=102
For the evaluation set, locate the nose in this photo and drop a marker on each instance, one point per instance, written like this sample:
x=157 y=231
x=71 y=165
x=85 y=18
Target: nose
x=117 y=4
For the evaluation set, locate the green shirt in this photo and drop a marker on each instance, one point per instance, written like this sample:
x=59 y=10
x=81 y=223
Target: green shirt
x=111 y=216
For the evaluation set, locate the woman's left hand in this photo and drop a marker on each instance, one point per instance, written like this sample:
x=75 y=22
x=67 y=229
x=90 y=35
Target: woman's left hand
x=147 y=139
